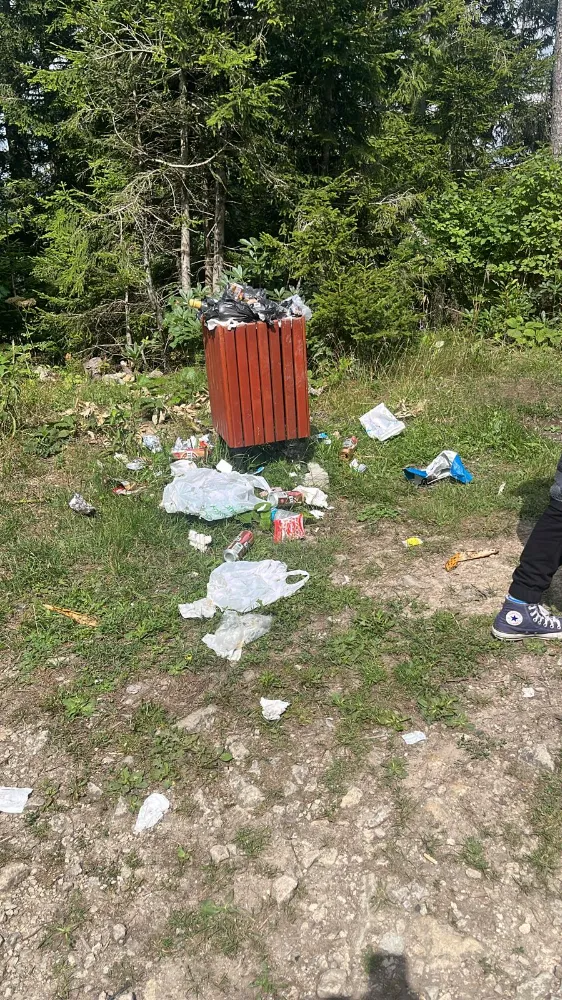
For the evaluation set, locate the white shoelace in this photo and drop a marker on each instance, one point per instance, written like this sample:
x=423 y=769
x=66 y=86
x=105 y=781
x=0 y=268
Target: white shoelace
x=544 y=617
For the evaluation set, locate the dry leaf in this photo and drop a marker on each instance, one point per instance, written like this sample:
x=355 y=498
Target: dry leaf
x=76 y=616
x=459 y=557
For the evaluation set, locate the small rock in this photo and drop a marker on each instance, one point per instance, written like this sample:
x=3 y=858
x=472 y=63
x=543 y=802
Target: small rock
x=473 y=873
x=542 y=757
x=121 y=809
x=331 y=984
x=328 y=857
x=527 y=692
x=202 y=718
x=535 y=989
x=12 y=874
x=219 y=853
x=238 y=750
x=94 y=791
x=119 y=933
x=393 y=944
x=134 y=688
x=283 y=889
x=351 y=798
x=525 y=928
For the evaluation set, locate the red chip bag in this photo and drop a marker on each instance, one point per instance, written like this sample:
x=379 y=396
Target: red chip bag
x=287 y=525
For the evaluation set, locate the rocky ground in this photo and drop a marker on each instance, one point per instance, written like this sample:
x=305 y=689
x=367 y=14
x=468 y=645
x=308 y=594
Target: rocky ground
x=413 y=881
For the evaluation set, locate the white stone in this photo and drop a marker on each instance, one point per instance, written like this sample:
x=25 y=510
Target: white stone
x=473 y=873
x=525 y=928
x=219 y=853
x=119 y=933
x=542 y=756
x=331 y=984
x=392 y=943
x=94 y=791
x=283 y=889
x=527 y=692
x=351 y=798
x=328 y=857
x=202 y=718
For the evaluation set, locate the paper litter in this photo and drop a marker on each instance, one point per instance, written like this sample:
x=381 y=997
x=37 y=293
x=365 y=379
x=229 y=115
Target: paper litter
x=448 y=464
x=527 y=692
x=317 y=513
x=312 y=496
x=198 y=540
x=236 y=631
x=223 y=466
x=14 y=800
x=316 y=476
x=152 y=442
x=357 y=466
x=381 y=424
x=414 y=737
x=136 y=465
x=272 y=709
x=154 y=807
x=81 y=506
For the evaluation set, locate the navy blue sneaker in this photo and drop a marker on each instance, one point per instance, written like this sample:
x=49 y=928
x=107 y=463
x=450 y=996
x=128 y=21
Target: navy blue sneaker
x=526 y=621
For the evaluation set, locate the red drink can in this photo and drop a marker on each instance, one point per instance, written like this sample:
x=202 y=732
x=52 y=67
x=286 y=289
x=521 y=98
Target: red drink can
x=239 y=546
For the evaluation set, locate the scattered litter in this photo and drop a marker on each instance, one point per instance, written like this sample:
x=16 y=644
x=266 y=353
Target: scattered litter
x=460 y=557
x=192 y=448
x=76 y=616
x=235 y=631
x=316 y=476
x=154 y=807
x=245 y=586
x=357 y=466
x=312 y=496
x=287 y=526
x=119 y=456
x=198 y=540
x=203 y=608
x=414 y=737
x=239 y=546
x=403 y=411
x=413 y=542
x=152 y=442
x=81 y=506
x=317 y=513
x=272 y=709
x=381 y=424
x=14 y=800
x=501 y=489
x=527 y=692
x=348 y=447
x=316 y=390
x=446 y=464
x=136 y=465
x=244 y=304
x=323 y=438
x=126 y=488
x=211 y=494
x=278 y=497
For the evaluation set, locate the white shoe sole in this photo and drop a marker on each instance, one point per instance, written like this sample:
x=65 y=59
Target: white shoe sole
x=508 y=637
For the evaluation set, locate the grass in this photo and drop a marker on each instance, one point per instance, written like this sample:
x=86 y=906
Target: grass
x=251 y=841
x=474 y=856
x=546 y=821
x=220 y=927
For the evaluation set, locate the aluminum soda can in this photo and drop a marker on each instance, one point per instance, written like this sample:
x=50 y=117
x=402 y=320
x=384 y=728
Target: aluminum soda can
x=239 y=546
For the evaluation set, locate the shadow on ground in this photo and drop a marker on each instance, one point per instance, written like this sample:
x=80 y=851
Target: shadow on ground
x=388 y=980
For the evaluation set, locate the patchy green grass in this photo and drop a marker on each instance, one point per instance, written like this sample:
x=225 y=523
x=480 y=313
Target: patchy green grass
x=474 y=856
x=217 y=926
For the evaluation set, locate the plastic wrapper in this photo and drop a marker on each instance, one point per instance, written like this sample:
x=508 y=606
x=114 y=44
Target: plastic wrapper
x=273 y=708
x=381 y=424
x=81 y=506
x=448 y=464
x=210 y=494
x=154 y=807
x=235 y=631
x=287 y=526
x=14 y=800
x=152 y=442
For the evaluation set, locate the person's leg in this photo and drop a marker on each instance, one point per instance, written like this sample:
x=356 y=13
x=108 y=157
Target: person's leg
x=522 y=613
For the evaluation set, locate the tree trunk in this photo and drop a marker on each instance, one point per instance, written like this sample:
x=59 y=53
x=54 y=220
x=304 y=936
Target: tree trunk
x=218 y=229
x=128 y=338
x=208 y=222
x=185 y=234
x=556 y=126
x=151 y=292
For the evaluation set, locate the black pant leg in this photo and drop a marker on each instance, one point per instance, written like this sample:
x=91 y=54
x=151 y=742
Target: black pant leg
x=541 y=556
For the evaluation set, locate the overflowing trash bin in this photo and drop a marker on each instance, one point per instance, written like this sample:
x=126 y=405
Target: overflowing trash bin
x=255 y=354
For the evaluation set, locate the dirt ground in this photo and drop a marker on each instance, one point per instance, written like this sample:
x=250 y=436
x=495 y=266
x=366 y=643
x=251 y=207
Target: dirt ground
x=418 y=889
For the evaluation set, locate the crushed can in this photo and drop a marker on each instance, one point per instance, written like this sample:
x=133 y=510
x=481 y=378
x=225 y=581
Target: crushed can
x=284 y=498
x=239 y=546
x=348 y=447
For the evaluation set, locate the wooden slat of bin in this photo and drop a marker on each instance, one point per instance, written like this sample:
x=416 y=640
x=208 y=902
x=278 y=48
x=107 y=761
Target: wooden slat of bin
x=229 y=362
x=265 y=382
x=288 y=378
x=301 y=379
x=255 y=385
x=274 y=334
x=244 y=384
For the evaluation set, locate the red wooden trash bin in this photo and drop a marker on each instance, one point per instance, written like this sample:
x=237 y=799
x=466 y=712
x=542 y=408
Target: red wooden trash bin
x=258 y=385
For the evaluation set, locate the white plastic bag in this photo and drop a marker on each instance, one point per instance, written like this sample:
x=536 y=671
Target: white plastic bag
x=154 y=807
x=203 y=608
x=313 y=495
x=235 y=631
x=243 y=586
x=273 y=709
x=210 y=494
x=14 y=800
x=380 y=423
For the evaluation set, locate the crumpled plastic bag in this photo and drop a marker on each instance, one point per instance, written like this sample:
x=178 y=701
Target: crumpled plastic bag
x=272 y=708
x=234 y=632
x=446 y=464
x=313 y=495
x=244 y=586
x=154 y=807
x=381 y=424
x=14 y=800
x=209 y=494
